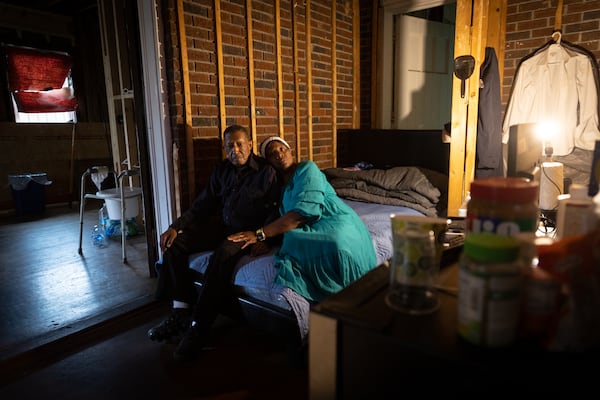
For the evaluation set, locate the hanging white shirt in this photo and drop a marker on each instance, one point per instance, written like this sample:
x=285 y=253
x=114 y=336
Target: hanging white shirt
x=556 y=86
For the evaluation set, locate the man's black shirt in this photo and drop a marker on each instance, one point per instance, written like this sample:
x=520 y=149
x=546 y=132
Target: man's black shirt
x=247 y=197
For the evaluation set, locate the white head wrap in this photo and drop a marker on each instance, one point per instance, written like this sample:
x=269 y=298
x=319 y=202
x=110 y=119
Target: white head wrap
x=267 y=141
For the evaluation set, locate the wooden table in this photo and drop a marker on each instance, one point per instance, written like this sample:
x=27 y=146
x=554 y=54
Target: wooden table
x=359 y=348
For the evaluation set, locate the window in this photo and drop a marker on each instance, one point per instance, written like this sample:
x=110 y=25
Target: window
x=40 y=85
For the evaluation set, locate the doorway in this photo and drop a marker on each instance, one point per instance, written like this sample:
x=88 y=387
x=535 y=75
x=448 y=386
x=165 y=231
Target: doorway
x=415 y=73
x=49 y=290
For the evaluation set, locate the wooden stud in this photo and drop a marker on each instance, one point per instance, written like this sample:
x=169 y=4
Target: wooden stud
x=309 y=115
x=478 y=43
x=558 y=16
x=374 y=58
x=250 y=45
x=496 y=33
x=185 y=71
x=462 y=46
x=220 y=71
x=279 y=66
x=112 y=119
x=470 y=38
x=334 y=81
x=296 y=81
x=356 y=64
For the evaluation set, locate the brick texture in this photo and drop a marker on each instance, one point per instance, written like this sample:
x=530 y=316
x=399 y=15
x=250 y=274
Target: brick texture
x=200 y=30
x=530 y=24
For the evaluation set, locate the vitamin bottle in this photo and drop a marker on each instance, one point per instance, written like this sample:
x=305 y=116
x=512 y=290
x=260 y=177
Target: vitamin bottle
x=505 y=206
x=489 y=284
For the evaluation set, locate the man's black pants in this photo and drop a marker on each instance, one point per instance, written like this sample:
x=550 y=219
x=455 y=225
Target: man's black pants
x=176 y=279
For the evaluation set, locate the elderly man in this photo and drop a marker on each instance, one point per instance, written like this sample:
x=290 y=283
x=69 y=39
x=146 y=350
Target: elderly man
x=245 y=191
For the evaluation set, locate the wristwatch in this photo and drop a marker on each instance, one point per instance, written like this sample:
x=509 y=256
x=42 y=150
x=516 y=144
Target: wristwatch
x=260 y=235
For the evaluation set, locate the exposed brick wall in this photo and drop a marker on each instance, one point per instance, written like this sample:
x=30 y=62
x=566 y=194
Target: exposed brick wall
x=203 y=66
x=530 y=24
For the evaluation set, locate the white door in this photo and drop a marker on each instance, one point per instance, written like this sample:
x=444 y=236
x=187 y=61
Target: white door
x=423 y=69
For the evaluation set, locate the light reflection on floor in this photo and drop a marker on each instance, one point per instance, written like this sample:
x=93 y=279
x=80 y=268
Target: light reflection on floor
x=47 y=285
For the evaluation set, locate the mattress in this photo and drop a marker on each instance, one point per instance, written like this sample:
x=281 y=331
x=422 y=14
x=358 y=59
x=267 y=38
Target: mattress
x=255 y=276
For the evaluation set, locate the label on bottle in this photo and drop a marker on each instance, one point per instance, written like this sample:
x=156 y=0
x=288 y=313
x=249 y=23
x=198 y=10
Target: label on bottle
x=488 y=306
x=500 y=226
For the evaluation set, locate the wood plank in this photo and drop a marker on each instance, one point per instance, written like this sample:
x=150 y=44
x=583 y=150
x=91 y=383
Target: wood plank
x=334 y=81
x=470 y=38
x=48 y=287
x=496 y=33
x=296 y=82
x=309 y=82
x=187 y=100
x=478 y=37
x=250 y=44
x=220 y=69
x=279 y=67
x=462 y=46
x=356 y=64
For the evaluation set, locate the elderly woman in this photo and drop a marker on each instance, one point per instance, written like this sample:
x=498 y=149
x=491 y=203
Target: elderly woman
x=325 y=246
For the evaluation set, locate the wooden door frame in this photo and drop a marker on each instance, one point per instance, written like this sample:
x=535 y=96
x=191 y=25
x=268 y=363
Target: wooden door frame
x=479 y=24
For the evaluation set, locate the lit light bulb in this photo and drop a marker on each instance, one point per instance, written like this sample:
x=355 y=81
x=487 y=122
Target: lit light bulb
x=547 y=131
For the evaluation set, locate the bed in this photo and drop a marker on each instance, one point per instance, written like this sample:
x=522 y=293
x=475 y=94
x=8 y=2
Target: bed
x=403 y=172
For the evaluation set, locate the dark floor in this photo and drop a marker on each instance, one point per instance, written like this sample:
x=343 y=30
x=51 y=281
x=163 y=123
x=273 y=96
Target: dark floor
x=48 y=290
x=74 y=327
x=239 y=363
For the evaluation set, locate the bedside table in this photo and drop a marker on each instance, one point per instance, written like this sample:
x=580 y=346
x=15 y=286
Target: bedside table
x=360 y=348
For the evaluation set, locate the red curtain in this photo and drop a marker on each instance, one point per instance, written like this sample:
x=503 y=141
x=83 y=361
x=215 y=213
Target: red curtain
x=36 y=78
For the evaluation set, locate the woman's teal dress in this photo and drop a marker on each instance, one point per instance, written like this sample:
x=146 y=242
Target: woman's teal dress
x=333 y=248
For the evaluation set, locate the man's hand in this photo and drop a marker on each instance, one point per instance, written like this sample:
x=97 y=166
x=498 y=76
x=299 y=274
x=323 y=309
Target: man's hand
x=167 y=238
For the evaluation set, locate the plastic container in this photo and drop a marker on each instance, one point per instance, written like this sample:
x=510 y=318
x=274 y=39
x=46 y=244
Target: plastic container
x=99 y=237
x=418 y=245
x=576 y=212
x=103 y=216
x=489 y=285
x=113 y=202
x=541 y=294
x=505 y=206
x=29 y=193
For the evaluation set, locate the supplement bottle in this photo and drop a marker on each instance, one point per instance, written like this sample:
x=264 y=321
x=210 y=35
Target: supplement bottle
x=575 y=214
x=489 y=285
x=541 y=293
x=505 y=206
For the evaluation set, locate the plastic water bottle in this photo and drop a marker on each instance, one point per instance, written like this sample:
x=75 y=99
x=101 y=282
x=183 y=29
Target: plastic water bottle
x=99 y=237
x=103 y=216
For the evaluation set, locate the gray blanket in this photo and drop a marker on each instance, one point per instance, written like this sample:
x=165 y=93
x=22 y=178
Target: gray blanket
x=401 y=186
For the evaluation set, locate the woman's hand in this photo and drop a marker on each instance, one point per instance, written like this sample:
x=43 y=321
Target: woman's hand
x=247 y=237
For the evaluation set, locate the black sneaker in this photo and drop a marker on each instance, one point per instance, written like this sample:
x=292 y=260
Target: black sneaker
x=172 y=328
x=191 y=345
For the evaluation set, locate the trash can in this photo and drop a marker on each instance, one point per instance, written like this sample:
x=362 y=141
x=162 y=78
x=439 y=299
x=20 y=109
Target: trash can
x=28 y=191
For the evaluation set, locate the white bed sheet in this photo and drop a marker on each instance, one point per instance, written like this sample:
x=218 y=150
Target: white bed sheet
x=255 y=276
